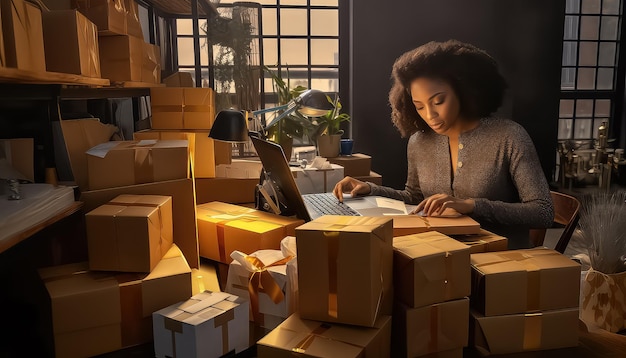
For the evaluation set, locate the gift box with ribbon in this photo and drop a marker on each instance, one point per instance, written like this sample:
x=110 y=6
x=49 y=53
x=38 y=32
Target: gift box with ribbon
x=429 y=268
x=120 y=163
x=520 y=281
x=209 y=324
x=345 y=269
x=131 y=233
x=430 y=329
x=524 y=332
x=224 y=228
x=484 y=241
x=305 y=338
x=182 y=107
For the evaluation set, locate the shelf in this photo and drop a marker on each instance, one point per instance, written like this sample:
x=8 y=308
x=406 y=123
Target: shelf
x=15 y=75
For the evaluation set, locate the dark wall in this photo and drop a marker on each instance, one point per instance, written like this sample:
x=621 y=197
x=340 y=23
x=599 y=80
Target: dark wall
x=524 y=36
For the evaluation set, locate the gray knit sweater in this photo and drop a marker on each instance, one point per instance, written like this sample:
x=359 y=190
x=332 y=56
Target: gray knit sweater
x=498 y=167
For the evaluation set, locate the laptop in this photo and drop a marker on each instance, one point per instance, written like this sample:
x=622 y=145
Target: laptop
x=307 y=207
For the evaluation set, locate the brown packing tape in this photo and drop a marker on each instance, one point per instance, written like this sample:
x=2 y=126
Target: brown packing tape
x=262 y=281
x=196 y=108
x=134 y=325
x=175 y=325
x=221 y=245
x=532 y=331
x=167 y=108
x=332 y=239
x=143 y=165
x=222 y=321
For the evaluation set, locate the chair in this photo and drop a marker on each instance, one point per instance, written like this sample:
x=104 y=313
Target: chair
x=566 y=215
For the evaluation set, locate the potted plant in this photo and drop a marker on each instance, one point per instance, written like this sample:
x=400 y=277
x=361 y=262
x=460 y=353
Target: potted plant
x=329 y=142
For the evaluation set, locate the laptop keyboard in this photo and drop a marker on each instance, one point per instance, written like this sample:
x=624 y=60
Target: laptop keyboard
x=327 y=204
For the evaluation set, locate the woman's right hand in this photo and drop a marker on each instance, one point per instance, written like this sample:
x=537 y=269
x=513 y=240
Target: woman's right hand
x=350 y=185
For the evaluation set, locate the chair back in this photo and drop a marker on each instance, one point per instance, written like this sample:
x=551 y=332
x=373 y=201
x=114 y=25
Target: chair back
x=566 y=215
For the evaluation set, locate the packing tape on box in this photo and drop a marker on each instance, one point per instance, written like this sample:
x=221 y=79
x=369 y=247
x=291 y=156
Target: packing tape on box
x=167 y=108
x=222 y=321
x=332 y=239
x=532 y=331
x=318 y=332
x=134 y=325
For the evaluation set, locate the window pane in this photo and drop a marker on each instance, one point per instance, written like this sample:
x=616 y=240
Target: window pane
x=607 y=54
x=293 y=2
x=605 y=78
x=572 y=6
x=610 y=7
x=586 y=78
x=293 y=22
x=589 y=27
x=262 y=2
x=565 y=128
x=582 y=128
x=325 y=2
x=603 y=107
x=569 y=53
x=566 y=108
x=325 y=52
x=294 y=51
x=270 y=52
x=184 y=26
x=609 y=28
x=324 y=23
x=591 y=6
x=588 y=53
x=269 y=22
x=568 y=76
x=584 y=107
x=186 y=52
x=295 y=77
x=325 y=79
x=571 y=28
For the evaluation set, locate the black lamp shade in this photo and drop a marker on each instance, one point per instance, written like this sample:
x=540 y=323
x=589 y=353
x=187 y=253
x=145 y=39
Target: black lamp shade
x=230 y=126
x=313 y=103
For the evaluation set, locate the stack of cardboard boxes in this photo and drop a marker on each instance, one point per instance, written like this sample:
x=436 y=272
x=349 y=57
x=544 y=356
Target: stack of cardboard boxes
x=359 y=166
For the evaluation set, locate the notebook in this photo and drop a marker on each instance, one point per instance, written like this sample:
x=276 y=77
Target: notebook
x=310 y=206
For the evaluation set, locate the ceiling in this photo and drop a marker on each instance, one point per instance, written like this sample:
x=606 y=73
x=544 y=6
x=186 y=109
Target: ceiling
x=173 y=8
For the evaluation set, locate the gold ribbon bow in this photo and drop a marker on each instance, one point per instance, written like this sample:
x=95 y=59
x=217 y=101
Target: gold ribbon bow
x=262 y=281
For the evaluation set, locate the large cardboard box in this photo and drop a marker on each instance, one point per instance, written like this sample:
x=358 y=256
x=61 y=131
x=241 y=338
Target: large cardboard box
x=209 y=324
x=312 y=180
x=133 y=24
x=435 y=328
x=22 y=32
x=182 y=107
x=131 y=233
x=305 y=338
x=240 y=169
x=206 y=153
x=71 y=43
x=355 y=165
x=151 y=63
x=429 y=268
x=452 y=224
x=108 y=15
x=519 y=281
x=524 y=332
x=345 y=269
x=120 y=163
x=18 y=153
x=121 y=57
x=224 y=228
x=484 y=241
x=227 y=190
x=373 y=177
x=183 y=209
x=95 y=312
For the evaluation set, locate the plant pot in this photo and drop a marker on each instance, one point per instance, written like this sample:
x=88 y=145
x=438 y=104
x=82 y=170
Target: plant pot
x=604 y=301
x=329 y=146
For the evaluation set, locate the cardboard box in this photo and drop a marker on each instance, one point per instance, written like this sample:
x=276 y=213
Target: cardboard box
x=305 y=338
x=121 y=163
x=182 y=108
x=524 y=332
x=345 y=269
x=430 y=329
x=430 y=267
x=179 y=79
x=108 y=15
x=240 y=169
x=22 y=30
x=183 y=209
x=484 y=241
x=224 y=228
x=99 y=312
x=264 y=273
x=372 y=178
x=151 y=63
x=71 y=43
x=519 y=281
x=355 y=165
x=121 y=57
x=133 y=24
x=227 y=190
x=209 y=324
x=205 y=152
x=312 y=180
x=130 y=238
x=445 y=224
x=19 y=154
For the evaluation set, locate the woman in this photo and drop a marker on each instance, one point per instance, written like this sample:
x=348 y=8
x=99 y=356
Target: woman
x=459 y=156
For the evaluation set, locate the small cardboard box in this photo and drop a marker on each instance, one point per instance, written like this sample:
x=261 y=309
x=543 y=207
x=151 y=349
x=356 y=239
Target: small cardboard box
x=151 y=63
x=18 y=153
x=133 y=25
x=71 y=43
x=305 y=338
x=182 y=107
x=121 y=163
x=205 y=152
x=108 y=15
x=355 y=165
x=183 y=209
x=22 y=30
x=240 y=169
x=121 y=57
x=264 y=273
x=179 y=79
x=224 y=228
x=430 y=267
x=445 y=224
x=345 y=269
x=524 y=332
x=430 y=329
x=209 y=324
x=227 y=190
x=312 y=180
x=519 y=281
x=484 y=241
x=372 y=178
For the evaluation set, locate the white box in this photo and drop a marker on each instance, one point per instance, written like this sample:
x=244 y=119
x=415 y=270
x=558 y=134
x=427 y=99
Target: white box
x=312 y=180
x=209 y=324
x=239 y=169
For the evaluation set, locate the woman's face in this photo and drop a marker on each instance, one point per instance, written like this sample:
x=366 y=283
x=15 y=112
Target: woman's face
x=437 y=103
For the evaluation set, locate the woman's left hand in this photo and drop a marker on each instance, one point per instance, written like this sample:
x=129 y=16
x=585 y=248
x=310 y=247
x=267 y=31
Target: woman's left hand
x=436 y=204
